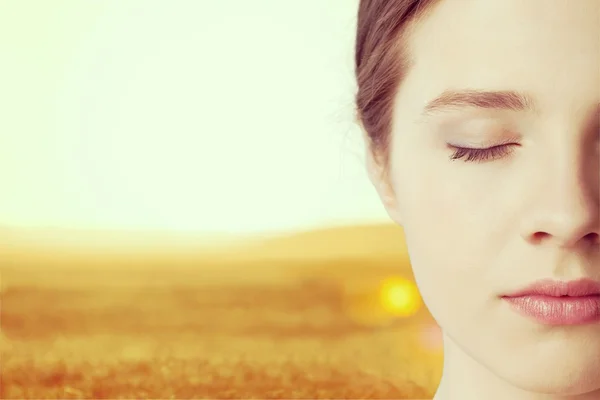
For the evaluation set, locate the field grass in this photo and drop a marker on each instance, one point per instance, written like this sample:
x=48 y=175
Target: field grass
x=218 y=341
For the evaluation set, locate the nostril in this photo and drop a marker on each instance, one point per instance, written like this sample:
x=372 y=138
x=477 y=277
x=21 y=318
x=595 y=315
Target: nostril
x=592 y=237
x=539 y=236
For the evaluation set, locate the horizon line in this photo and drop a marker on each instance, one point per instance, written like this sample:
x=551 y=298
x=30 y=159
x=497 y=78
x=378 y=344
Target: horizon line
x=189 y=232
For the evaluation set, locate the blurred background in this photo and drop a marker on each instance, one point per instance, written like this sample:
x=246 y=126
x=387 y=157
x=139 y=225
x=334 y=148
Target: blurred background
x=185 y=213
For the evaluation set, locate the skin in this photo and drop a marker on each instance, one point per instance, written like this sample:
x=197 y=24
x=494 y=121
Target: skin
x=476 y=231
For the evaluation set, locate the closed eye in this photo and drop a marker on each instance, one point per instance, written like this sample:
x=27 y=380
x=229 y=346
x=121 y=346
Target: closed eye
x=469 y=154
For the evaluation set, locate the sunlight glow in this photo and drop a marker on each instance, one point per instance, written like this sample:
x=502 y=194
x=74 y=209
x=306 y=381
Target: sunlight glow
x=224 y=117
x=400 y=297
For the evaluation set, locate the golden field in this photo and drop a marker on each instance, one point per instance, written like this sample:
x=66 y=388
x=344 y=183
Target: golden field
x=249 y=327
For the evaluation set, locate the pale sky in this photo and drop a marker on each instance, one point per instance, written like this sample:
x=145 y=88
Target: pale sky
x=207 y=116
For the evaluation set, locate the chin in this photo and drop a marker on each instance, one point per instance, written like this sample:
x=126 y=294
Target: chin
x=556 y=377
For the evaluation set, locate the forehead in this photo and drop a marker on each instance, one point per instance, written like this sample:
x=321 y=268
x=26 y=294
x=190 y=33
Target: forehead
x=549 y=49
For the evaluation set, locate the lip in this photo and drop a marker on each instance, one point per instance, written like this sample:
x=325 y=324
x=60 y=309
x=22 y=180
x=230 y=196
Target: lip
x=558 y=303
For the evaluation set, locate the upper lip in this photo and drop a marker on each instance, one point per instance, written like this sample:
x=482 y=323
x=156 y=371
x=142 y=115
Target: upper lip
x=549 y=287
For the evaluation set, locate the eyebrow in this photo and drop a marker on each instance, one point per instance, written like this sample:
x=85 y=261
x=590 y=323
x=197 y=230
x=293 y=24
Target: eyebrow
x=499 y=100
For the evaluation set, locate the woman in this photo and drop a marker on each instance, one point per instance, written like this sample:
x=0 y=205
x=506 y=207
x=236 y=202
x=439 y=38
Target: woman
x=482 y=123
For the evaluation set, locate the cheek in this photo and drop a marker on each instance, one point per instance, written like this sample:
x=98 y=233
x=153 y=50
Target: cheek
x=445 y=226
x=438 y=214
x=436 y=236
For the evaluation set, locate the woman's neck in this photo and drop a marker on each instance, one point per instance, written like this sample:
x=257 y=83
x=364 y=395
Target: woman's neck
x=465 y=379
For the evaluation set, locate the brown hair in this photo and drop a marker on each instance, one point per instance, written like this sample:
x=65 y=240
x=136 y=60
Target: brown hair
x=381 y=61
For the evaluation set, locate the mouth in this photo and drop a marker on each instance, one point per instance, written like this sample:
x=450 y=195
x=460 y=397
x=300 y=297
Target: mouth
x=582 y=287
x=558 y=303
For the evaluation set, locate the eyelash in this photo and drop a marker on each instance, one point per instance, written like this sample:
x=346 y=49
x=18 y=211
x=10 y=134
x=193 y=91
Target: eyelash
x=469 y=154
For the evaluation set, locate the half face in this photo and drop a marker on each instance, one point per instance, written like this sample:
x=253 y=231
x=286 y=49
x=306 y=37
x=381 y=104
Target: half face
x=495 y=174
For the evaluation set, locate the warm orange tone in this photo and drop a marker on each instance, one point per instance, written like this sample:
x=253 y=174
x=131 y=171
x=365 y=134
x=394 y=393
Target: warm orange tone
x=255 y=325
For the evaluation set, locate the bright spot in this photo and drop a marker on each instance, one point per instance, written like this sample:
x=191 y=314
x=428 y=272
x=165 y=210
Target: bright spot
x=400 y=297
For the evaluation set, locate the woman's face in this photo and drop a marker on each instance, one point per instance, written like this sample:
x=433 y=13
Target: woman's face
x=480 y=228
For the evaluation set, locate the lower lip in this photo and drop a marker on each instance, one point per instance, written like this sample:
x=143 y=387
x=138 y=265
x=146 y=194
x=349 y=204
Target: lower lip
x=558 y=310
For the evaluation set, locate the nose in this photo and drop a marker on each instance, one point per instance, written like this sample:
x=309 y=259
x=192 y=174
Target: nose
x=567 y=211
